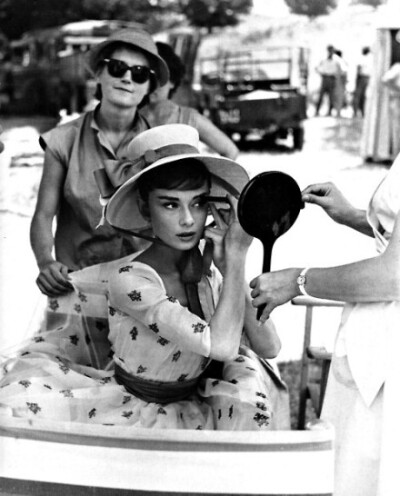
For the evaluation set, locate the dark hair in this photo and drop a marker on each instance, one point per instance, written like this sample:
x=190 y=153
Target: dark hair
x=106 y=54
x=185 y=174
x=174 y=63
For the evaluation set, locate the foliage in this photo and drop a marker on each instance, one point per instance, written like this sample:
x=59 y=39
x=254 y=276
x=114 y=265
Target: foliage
x=311 y=8
x=371 y=3
x=19 y=16
x=215 y=13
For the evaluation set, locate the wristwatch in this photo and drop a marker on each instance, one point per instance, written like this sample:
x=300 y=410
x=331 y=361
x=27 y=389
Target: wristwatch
x=301 y=282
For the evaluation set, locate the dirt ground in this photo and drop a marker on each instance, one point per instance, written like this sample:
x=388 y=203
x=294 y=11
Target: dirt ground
x=331 y=152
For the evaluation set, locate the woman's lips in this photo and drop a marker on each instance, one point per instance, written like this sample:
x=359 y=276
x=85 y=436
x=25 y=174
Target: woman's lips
x=186 y=236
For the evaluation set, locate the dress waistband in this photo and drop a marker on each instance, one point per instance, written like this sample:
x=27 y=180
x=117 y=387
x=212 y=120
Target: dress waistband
x=155 y=391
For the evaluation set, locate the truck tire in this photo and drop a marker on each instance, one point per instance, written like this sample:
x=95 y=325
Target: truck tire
x=298 y=138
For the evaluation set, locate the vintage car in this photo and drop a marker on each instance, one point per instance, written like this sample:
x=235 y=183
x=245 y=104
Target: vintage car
x=256 y=90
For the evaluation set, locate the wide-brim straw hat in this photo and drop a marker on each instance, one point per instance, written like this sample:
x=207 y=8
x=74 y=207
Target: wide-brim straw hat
x=138 y=40
x=158 y=147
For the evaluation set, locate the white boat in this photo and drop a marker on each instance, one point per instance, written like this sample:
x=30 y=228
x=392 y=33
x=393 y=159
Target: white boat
x=57 y=458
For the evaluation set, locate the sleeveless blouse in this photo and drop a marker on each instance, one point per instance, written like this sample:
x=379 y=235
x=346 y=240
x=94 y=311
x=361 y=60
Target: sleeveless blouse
x=81 y=148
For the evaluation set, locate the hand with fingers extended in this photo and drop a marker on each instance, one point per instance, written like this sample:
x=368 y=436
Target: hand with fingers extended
x=53 y=279
x=331 y=199
x=229 y=240
x=273 y=289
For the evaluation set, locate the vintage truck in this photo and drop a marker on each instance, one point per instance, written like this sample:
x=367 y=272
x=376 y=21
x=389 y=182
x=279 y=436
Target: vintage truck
x=258 y=90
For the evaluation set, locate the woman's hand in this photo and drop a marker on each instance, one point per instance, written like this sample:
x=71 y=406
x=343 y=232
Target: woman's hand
x=228 y=237
x=331 y=199
x=273 y=289
x=53 y=279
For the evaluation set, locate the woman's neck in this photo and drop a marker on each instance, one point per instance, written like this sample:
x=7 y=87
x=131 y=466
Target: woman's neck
x=162 y=258
x=112 y=119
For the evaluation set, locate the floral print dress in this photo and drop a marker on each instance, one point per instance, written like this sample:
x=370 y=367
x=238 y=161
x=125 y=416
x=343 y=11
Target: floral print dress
x=67 y=370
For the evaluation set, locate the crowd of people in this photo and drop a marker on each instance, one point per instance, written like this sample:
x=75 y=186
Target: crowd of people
x=185 y=349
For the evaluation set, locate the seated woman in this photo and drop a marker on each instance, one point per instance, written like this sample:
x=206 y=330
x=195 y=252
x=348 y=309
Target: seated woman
x=170 y=314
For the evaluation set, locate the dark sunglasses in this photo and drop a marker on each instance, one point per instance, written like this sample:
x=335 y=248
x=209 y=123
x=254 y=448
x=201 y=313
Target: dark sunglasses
x=117 y=68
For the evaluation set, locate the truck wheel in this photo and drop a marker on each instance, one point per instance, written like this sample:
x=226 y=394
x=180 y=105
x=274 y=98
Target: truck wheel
x=298 y=138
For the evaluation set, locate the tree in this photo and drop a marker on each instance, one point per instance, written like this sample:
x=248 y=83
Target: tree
x=19 y=16
x=371 y=3
x=311 y=8
x=215 y=13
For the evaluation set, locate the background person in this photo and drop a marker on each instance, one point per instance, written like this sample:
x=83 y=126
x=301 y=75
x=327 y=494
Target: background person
x=363 y=74
x=330 y=70
x=162 y=110
x=362 y=399
x=127 y=68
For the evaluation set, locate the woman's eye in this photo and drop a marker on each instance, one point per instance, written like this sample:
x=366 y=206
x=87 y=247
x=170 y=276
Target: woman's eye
x=170 y=205
x=201 y=203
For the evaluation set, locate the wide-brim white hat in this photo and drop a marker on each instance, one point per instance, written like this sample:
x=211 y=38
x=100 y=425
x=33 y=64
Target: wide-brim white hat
x=159 y=147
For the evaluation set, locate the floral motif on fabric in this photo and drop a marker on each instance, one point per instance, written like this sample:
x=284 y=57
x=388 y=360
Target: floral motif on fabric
x=134 y=333
x=25 y=383
x=33 y=407
x=199 y=327
x=92 y=413
x=47 y=386
x=87 y=339
x=82 y=297
x=53 y=304
x=135 y=295
x=126 y=399
x=176 y=356
x=111 y=311
x=62 y=366
x=141 y=369
x=172 y=299
x=161 y=411
x=162 y=341
x=74 y=339
x=127 y=414
x=77 y=308
x=182 y=377
x=127 y=268
x=67 y=393
x=239 y=359
x=261 y=406
x=261 y=419
x=154 y=328
x=38 y=339
x=261 y=395
x=105 y=380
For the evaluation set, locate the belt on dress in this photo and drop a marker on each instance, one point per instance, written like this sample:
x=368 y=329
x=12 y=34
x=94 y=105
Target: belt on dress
x=155 y=391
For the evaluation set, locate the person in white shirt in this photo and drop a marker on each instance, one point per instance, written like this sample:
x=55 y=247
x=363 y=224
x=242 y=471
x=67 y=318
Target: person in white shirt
x=330 y=70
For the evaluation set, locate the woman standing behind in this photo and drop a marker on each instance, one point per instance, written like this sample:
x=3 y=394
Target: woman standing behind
x=127 y=68
x=162 y=110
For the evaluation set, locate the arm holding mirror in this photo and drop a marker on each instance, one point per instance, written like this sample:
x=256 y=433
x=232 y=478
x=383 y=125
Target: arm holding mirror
x=263 y=338
x=374 y=279
x=329 y=197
